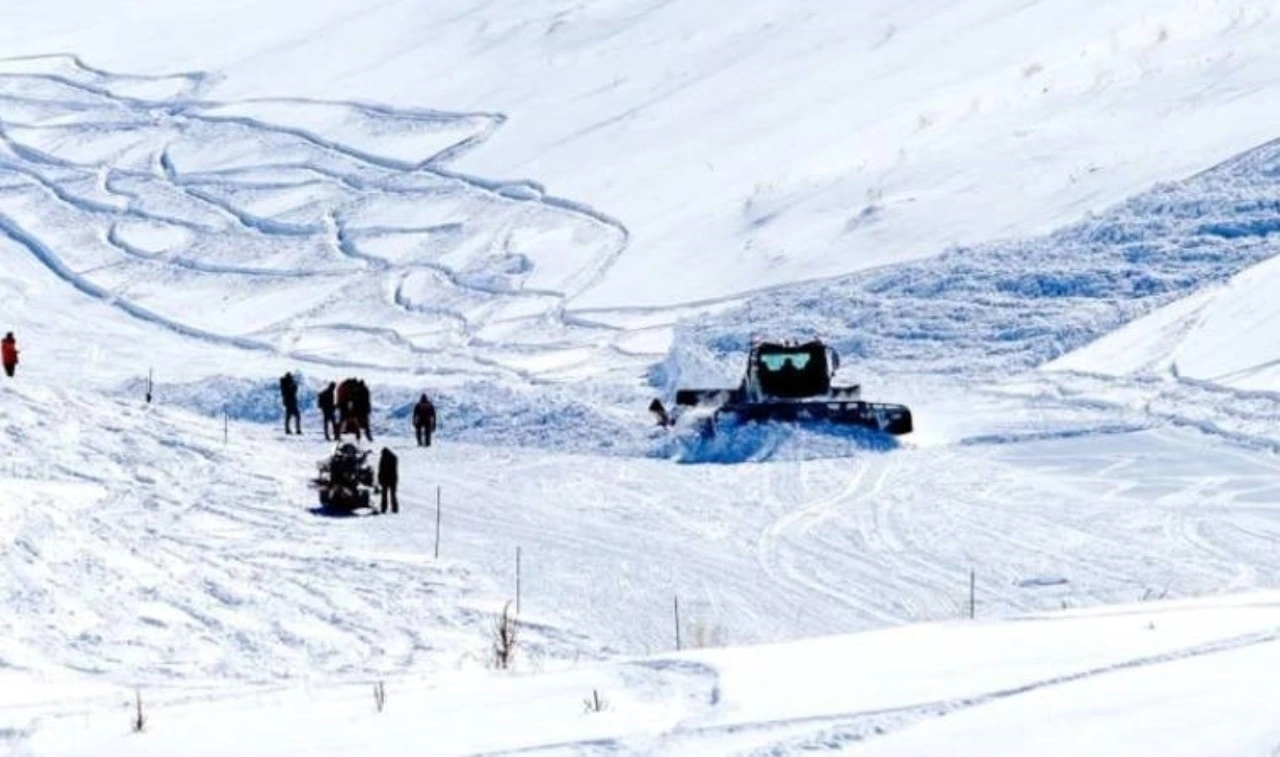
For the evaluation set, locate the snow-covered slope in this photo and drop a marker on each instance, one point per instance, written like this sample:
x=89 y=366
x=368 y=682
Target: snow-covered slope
x=978 y=313
x=759 y=145
x=1049 y=228
x=320 y=234
x=144 y=545
x=1227 y=335
x=147 y=552
x=1188 y=678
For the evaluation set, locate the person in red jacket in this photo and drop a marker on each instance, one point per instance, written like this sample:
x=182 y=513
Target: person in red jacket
x=9 y=354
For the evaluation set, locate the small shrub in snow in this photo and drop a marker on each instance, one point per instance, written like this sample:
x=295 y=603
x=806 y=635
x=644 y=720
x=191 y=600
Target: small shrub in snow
x=595 y=703
x=139 y=720
x=504 y=638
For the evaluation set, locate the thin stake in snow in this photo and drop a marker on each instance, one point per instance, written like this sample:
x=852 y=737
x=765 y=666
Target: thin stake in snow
x=973 y=580
x=150 y=380
x=226 y=426
x=139 y=720
x=437 y=522
x=677 y=614
x=517 y=580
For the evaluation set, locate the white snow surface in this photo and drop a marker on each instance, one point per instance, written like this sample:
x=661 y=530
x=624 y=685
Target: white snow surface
x=1061 y=684
x=1228 y=335
x=746 y=148
x=1049 y=228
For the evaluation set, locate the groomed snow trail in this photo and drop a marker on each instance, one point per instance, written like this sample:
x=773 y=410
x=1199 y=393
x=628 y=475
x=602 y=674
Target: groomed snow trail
x=1067 y=511
x=164 y=557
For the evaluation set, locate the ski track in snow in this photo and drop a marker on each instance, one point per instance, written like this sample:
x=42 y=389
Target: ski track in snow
x=837 y=732
x=147 y=550
x=267 y=208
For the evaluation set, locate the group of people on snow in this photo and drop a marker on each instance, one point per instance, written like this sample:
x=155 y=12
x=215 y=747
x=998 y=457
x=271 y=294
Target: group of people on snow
x=345 y=408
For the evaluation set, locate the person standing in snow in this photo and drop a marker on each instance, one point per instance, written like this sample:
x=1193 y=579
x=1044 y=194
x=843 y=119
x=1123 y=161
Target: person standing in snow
x=345 y=413
x=363 y=407
x=660 y=413
x=389 y=479
x=289 y=395
x=327 y=403
x=9 y=354
x=424 y=421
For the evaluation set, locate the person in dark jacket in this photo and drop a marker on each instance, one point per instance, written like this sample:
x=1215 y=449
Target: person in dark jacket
x=346 y=393
x=389 y=479
x=9 y=354
x=289 y=395
x=363 y=407
x=342 y=396
x=424 y=421
x=328 y=405
x=660 y=413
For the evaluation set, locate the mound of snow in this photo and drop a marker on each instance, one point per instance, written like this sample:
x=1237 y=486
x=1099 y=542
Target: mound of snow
x=1228 y=334
x=729 y=443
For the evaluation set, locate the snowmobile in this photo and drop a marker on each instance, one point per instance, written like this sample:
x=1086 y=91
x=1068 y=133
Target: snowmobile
x=791 y=383
x=345 y=481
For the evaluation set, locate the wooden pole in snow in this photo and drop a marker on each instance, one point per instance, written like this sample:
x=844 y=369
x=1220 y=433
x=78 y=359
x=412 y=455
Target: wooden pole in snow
x=677 y=614
x=437 y=522
x=973 y=580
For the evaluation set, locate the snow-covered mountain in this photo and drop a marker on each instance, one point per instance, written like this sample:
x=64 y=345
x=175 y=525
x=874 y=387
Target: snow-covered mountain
x=1049 y=228
x=762 y=144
